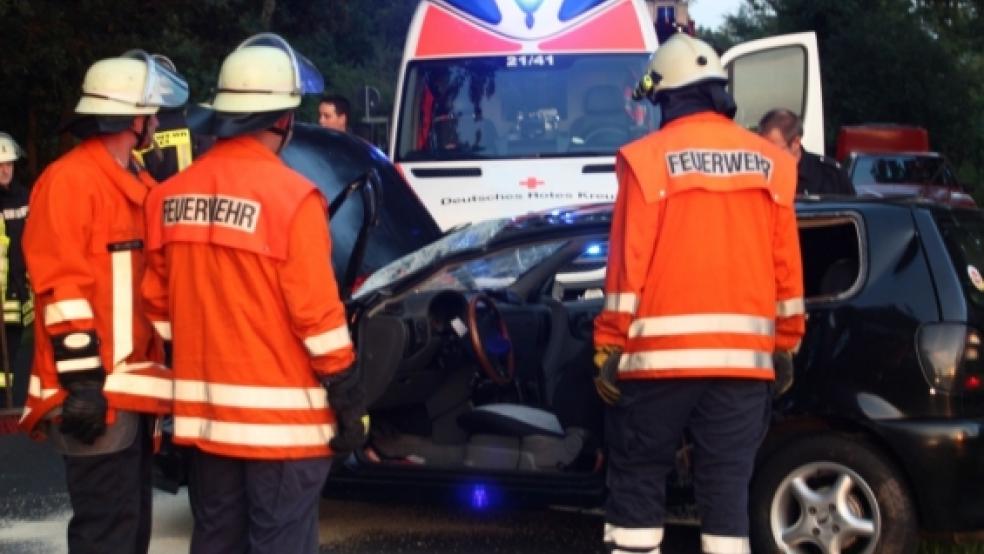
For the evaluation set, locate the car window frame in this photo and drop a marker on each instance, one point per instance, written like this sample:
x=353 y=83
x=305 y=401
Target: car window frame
x=821 y=219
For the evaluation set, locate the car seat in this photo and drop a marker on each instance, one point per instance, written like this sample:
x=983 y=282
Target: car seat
x=604 y=123
x=514 y=436
x=839 y=277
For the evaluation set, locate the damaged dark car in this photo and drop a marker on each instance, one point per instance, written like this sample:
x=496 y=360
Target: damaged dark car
x=475 y=351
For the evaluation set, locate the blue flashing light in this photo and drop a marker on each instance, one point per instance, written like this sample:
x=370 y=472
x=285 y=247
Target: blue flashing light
x=479 y=497
x=486 y=10
x=529 y=6
x=593 y=250
x=378 y=154
x=573 y=8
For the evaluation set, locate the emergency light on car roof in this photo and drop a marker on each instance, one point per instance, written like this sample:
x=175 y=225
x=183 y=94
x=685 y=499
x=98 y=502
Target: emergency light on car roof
x=488 y=10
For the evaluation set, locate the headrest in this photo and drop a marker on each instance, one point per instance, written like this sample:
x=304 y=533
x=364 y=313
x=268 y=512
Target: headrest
x=511 y=420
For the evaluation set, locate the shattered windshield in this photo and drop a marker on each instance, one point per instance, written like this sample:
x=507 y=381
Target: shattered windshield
x=495 y=271
x=470 y=237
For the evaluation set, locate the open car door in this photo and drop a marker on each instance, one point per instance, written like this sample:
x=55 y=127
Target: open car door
x=778 y=72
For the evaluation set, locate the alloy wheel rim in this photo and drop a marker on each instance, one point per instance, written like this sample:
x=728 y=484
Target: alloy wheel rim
x=825 y=507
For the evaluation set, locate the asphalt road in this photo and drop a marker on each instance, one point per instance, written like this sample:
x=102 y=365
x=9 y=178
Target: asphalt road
x=34 y=512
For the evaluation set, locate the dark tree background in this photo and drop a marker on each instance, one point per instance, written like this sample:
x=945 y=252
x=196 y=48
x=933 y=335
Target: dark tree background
x=916 y=62
x=50 y=44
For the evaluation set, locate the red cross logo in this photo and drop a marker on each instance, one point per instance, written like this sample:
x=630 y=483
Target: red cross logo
x=530 y=183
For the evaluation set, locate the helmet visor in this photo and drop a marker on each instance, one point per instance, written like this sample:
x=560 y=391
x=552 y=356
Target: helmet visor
x=164 y=87
x=307 y=78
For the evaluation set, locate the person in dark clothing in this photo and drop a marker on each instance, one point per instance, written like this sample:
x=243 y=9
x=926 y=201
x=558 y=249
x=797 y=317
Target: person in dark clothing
x=818 y=175
x=18 y=307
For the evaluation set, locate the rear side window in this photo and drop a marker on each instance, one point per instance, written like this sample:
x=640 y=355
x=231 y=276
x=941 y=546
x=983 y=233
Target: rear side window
x=831 y=248
x=901 y=170
x=963 y=234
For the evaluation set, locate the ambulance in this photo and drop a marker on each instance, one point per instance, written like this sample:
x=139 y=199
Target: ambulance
x=506 y=107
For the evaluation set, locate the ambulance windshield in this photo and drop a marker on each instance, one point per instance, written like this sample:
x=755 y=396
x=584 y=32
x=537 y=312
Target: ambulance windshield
x=522 y=106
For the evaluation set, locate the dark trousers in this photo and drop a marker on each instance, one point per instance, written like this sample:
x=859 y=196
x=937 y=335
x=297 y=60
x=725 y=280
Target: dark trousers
x=727 y=419
x=111 y=498
x=253 y=506
x=20 y=366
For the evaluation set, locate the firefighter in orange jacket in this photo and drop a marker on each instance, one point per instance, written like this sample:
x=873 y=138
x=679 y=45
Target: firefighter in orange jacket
x=96 y=357
x=239 y=277
x=704 y=284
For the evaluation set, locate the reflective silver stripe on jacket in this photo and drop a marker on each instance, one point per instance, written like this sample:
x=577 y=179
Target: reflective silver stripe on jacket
x=122 y=261
x=327 y=342
x=622 y=302
x=695 y=358
x=248 y=396
x=701 y=324
x=253 y=434
x=123 y=380
x=791 y=307
x=67 y=310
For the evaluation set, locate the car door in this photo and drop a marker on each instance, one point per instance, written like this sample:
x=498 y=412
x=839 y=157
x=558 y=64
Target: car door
x=331 y=161
x=778 y=72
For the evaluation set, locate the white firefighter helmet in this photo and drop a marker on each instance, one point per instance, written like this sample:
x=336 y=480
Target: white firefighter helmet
x=135 y=83
x=680 y=61
x=264 y=74
x=10 y=151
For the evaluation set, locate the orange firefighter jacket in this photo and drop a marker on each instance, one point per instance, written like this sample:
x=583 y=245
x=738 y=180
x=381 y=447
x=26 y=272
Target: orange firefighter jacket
x=240 y=279
x=704 y=272
x=83 y=245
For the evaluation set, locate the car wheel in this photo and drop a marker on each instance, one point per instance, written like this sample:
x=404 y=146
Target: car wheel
x=831 y=495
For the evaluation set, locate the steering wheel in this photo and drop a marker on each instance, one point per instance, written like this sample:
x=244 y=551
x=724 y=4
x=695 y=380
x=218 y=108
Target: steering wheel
x=606 y=135
x=490 y=340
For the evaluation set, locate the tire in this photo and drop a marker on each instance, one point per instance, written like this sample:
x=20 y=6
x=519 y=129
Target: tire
x=793 y=492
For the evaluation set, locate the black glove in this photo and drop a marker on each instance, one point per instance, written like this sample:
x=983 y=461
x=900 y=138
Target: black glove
x=347 y=398
x=81 y=373
x=84 y=411
x=782 y=363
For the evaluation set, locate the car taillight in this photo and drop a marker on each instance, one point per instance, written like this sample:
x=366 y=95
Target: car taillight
x=949 y=354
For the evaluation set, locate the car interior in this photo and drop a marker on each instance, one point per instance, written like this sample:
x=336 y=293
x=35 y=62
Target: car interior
x=489 y=359
x=495 y=378
x=478 y=110
x=832 y=256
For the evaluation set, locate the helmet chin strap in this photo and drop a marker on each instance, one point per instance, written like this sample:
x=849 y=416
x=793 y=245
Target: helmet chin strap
x=142 y=135
x=284 y=133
